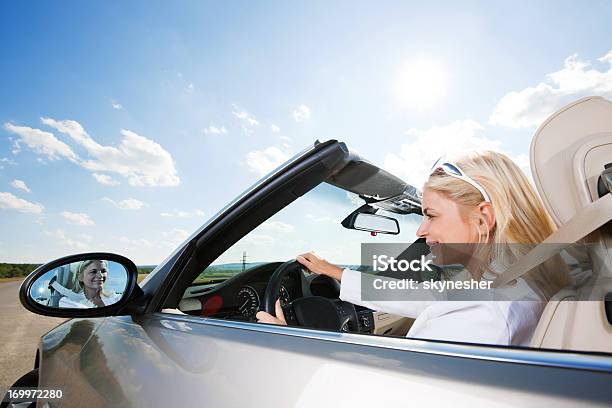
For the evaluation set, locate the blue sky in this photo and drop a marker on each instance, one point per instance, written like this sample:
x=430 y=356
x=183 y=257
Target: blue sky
x=124 y=127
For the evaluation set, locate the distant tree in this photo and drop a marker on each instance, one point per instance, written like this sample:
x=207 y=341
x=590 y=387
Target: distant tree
x=10 y=270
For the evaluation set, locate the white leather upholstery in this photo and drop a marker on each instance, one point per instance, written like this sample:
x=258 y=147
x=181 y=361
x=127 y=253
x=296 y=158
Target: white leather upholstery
x=568 y=152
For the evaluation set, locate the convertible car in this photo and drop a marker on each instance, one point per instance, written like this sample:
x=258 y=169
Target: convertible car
x=187 y=334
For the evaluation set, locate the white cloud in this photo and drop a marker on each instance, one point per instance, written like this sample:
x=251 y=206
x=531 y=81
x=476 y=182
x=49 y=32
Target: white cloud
x=264 y=161
x=9 y=201
x=105 y=179
x=532 y=105
x=285 y=138
x=259 y=239
x=215 y=130
x=415 y=158
x=246 y=118
x=140 y=160
x=21 y=185
x=167 y=239
x=127 y=204
x=276 y=227
x=174 y=237
x=41 y=142
x=274 y=128
x=175 y=213
x=139 y=242
x=355 y=199
x=5 y=160
x=314 y=218
x=80 y=219
x=182 y=214
x=116 y=105
x=59 y=235
x=301 y=113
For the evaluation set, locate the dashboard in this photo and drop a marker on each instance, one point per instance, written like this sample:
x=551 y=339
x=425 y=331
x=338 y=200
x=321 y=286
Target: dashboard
x=241 y=296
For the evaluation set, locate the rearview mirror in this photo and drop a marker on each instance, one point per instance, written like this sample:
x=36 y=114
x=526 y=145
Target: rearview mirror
x=374 y=223
x=95 y=284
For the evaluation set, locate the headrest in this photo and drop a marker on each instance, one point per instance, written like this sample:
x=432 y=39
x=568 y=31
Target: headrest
x=568 y=153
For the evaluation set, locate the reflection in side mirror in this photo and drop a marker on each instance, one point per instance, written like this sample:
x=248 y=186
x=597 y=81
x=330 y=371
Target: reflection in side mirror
x=86 y=284
x=376 y=223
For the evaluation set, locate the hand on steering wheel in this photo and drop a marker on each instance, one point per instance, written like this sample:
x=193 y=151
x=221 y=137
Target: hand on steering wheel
x=265 y=317
x=309 y=310
x=320 y=266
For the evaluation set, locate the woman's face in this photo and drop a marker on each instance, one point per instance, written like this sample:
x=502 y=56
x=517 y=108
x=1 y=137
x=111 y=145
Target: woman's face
x=94 y=275
x=443 y=224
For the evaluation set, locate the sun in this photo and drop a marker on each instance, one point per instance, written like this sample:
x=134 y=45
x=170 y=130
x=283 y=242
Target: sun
x=421 y=83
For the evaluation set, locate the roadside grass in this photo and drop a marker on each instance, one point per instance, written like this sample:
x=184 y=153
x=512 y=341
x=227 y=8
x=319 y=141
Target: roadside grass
x=13 y=279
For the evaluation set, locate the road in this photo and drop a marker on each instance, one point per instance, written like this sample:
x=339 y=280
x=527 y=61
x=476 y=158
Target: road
x=20 y=331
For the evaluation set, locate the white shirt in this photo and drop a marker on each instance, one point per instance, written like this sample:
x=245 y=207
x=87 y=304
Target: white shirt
x=488 y=322
x=78 y=300
x=71 y=299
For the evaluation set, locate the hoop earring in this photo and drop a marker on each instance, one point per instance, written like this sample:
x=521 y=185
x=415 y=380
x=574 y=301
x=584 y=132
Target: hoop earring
x=480 y=235
x=486 y=225
x=481 y=247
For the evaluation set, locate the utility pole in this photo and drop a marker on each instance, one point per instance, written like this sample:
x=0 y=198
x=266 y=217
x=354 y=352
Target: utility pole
x=244 y=257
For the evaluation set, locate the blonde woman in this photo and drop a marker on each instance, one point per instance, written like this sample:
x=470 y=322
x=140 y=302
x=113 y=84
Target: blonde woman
x=87 y=287
x=484 y=200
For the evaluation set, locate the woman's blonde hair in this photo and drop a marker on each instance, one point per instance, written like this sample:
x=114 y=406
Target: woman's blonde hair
x=76 y=285
x=520 y=216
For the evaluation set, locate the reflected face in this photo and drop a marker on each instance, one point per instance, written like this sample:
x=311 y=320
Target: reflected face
x=94 y=275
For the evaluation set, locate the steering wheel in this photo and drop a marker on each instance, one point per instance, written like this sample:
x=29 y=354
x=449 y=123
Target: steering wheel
x=310 y=311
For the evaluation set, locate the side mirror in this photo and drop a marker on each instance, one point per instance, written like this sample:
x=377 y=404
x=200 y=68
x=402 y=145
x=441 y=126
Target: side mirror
x=373 y=223
x=83 y=285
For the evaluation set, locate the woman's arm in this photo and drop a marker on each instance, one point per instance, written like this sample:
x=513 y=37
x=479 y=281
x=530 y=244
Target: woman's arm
x=351 y=288
x=350 y=291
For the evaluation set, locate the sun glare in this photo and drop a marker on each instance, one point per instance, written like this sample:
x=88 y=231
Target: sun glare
x=421 y=83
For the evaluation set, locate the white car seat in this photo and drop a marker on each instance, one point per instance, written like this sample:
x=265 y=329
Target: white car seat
x=568 y=153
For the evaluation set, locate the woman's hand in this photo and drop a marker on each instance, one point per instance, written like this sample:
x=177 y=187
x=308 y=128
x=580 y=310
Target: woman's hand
x=265 y=317
x=320 y=266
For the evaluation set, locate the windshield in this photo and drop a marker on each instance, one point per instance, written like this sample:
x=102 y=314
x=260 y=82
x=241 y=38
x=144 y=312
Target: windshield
x=311 y=223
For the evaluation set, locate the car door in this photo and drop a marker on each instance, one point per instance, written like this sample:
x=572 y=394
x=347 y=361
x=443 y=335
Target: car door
x=164 y=359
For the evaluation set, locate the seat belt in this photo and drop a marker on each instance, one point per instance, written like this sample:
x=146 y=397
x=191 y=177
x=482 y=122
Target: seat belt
x=66 y=292
x=588 y=219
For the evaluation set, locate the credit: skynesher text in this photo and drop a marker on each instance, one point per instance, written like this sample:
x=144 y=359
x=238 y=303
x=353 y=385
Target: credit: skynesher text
x=440 y=286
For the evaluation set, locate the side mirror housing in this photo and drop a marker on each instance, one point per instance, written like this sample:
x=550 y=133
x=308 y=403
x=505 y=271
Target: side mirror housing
x=96 y=284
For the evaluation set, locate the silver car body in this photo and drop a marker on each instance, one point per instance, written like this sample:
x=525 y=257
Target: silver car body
x=169 y=360
x=161 y=358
